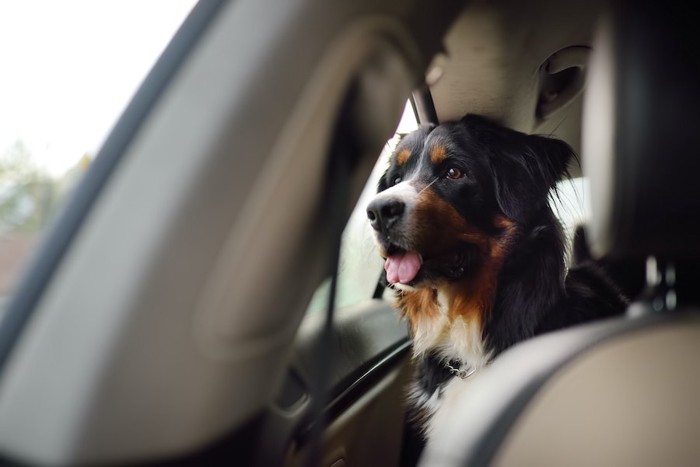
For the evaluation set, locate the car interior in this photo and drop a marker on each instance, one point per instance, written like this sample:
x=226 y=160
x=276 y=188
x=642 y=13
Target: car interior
x=203 y=319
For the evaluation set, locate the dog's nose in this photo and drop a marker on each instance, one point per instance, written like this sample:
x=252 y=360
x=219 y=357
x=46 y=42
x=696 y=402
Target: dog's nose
x=384 y=212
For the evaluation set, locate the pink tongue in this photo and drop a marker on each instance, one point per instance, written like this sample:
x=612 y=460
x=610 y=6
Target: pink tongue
x=402 y=268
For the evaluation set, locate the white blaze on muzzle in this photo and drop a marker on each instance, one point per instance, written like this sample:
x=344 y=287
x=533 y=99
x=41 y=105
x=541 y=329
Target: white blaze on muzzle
x=404 y=192
x=402 y=267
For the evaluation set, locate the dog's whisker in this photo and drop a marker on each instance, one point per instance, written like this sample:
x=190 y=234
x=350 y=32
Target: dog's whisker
x=428 y=185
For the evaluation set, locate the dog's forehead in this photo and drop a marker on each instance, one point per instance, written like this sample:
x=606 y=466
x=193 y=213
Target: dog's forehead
x=448 y=141
x=438 y=145
x=411 y=145
x=428 y=146
x=415 y=144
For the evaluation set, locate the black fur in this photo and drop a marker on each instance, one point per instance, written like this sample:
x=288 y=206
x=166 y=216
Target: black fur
x=507 y=175
x=432 y=373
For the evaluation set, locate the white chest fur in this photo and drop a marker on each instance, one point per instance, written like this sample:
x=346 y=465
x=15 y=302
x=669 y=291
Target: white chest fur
x=452 y=338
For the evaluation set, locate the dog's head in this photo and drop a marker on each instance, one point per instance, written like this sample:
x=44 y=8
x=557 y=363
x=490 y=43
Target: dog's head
x=452 y=190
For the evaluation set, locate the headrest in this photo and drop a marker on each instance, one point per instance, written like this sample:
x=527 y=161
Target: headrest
x=641 y=132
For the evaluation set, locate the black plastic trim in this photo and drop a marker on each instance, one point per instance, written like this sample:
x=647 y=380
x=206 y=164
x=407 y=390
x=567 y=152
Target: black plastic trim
x=58 y=240
x=424 y=106
x=354 y=385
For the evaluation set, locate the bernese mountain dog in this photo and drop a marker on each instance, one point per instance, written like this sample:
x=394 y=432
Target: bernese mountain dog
x=475 y=253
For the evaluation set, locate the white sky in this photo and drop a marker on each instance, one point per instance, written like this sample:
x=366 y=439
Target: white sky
x=68 y=69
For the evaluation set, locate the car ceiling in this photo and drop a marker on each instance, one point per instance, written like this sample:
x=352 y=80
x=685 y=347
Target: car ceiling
x=493 y=56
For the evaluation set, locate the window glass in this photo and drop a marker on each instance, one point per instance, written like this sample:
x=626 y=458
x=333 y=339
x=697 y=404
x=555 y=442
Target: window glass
x=69 y=69
x=360 y=264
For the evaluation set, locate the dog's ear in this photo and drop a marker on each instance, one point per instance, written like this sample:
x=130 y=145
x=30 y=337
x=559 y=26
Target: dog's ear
x=525 y=167
x=550 y=159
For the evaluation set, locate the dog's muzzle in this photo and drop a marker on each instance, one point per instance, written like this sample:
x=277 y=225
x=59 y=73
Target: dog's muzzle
x=390 y=207
x=384 y=213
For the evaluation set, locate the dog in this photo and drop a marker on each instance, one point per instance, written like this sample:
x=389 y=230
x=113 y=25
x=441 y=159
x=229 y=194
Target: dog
x=475 y=253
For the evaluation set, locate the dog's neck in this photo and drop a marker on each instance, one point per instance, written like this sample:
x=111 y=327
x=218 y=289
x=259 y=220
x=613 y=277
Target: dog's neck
x=533 y=277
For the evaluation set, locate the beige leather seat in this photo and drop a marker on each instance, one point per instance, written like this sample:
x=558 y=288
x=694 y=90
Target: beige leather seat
x=624 y=391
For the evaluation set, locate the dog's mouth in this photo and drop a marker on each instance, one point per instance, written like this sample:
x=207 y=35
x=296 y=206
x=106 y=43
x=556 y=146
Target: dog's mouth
x=402 y=267
x=411 y=268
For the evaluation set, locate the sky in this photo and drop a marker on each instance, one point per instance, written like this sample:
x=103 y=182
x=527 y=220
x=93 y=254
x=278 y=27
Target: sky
x=68 y=69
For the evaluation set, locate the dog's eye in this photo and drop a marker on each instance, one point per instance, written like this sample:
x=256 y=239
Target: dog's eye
x=397 y=180
x=454 y=173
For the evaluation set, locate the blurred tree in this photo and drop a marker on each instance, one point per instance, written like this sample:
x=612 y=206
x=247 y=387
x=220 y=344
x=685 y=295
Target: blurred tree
x=27 y=193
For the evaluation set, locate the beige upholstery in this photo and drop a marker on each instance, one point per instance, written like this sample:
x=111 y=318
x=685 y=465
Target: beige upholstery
x=633 y=401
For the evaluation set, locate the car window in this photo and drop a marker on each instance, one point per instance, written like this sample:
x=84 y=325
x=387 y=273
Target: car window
x=69 y=70
x=360 y=264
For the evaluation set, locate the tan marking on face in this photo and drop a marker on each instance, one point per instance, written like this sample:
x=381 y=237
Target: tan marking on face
x=418 y=305
x=473 y=297
x=438 y=154
x=501 y=244
x=430 y=240
x=402 y=156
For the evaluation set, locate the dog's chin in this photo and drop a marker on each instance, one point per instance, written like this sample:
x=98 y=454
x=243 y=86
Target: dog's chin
x=405 y=287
